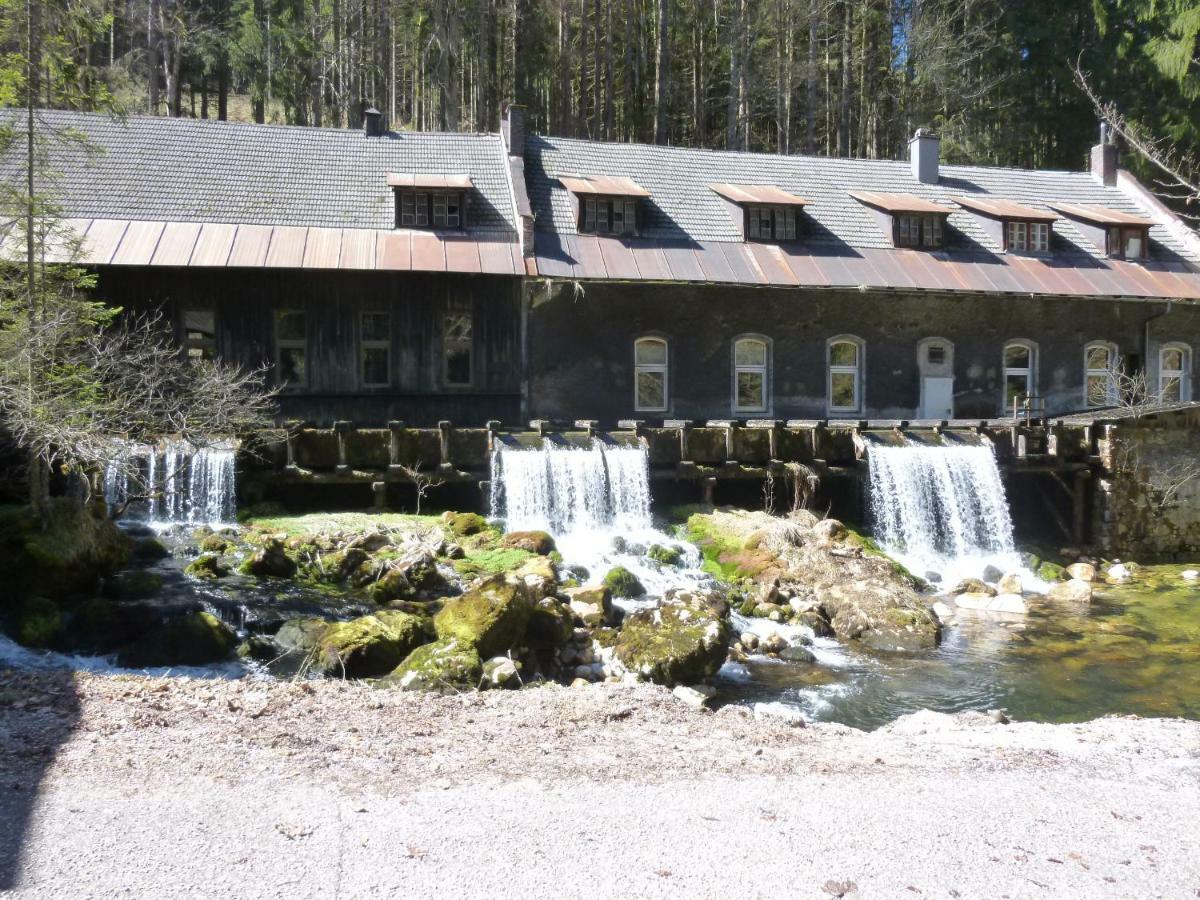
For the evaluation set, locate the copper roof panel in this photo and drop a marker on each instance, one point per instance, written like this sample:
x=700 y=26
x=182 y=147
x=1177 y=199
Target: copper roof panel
x=251 y=245
x=712 y=262
x=392 y=251
x=618 y=260
x=890 y=268
x=1005 y=209
x=428 y=254
x=1028 y=275
x=1100 y=215
x=929 y=271
x=443 y=181
x=553 y=258
x=63 y=242
x=138 y=245
x=461 y=254
x=835 y=271
x=803 y=266
x=681 y=259
x=609 y=185
x=589 y=259
x=358 y=249
x=757 y=193
x=176 y=244
x=213 y=245
x=651 y=264
x=742 y=264
x=323 y=248
x=772 y=264
x=495 y=258
x=287 y=247
x=898 y=203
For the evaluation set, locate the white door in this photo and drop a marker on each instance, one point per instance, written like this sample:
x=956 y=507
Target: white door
x=937 y=398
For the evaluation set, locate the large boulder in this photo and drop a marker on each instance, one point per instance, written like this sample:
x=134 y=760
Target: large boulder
x=882 y=614
x=550 y=623
x=674 y=644
x=301 y=635
x=405 y=577
x=339 y=566
x=591 y=603
x=369 y=646
x=464 y=524
x=192 y=640
x=537 y=578
x=623 y=583
x=38 y=622
x=491 y=617
x=538 y=542
x=207 y=566
x=1074 y=591
x=668 y=556
x=1082 y=571
x=133 y=584
x=448 y=666
x=271 y=561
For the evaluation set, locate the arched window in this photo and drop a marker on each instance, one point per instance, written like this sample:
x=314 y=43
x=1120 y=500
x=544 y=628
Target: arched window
x=650 y=374
x=1174 y=373
x=845 y=374
x=751 y=370
x=1020 y=373
x=1100 y=368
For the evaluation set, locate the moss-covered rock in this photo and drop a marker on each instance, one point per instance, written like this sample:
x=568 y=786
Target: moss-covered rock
x=550 y=624
x=214 y=543
x=302 y=634
x=466 y=523
x=207 y=566
x=98 y=626
x=674 y=644
x=338 y=567
x=271 y=561
x=623 y=583
x=369 y=646
x=537 y=578
x=538 y=542
x=592 y=604
x=668 y=556
x=258 y=647
x=149 y=549
x=1051 y=572
x=491 y=561
x=492 y=616
x=133 y=584
x=192 y=640
x=406 y=576
x=447 y=665
x=64 y=554
x=38 y=623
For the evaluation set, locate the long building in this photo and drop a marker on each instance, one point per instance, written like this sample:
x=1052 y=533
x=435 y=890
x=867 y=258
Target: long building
x=423 y=277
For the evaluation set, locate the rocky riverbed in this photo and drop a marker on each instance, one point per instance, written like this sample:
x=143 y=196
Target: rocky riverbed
x=178 y=787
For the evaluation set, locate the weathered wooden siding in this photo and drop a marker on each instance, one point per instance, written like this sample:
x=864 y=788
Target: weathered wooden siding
x=246 y=300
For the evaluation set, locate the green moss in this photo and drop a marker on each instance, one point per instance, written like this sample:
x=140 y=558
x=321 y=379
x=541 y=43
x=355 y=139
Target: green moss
x=1051 y=572
x=491 y=617
x=207 y=566
x=463 y=524
x=348 y=522
x=492 y=561
x=65 y=554
x=192 y=640
x=133 y=584
x=214 y=543
x=150 y=549
x=668 y=556
x=38 y=623
x=623 y=583
x=369 y=646
x=672 y=645
x=870 y=547
x=447 y=665
x=718 y=549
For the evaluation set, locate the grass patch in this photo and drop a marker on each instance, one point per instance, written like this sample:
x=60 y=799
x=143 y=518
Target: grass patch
x=350 y=522
x=492 y=561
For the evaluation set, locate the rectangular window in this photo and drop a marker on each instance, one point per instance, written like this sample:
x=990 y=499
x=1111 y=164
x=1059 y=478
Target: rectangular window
x=650 y=375
x=750 y=375
x=439 y=210
x=844 y=371
x=1100 y=375
x=1173 y=374
x=422 y=201
x=1039 y=237
x=608 y=215
x=589 y=215
x=421 y=209
x=1018 y=375
x=770 y=223
x=458 y=348
x=408 y=210
x=1018 y=236
x=200 y=334
x=375 y=348
x=1127 y=243
x=918 y=230
x=291 y=348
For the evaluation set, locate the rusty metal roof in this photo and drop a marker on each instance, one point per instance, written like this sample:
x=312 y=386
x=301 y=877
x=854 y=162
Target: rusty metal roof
x=587 y=257
x=1100 y=215
x=757 y=193
x=1005 y=209
x=418 y=180
x=898 y=203
x=609 y=185
x=123 y=242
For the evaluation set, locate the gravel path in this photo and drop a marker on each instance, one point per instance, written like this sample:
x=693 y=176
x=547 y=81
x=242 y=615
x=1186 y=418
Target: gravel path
x=141 y=787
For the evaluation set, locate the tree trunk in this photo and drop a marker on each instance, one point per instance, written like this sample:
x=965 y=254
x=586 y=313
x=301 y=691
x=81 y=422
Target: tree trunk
x=843 y=145
x=152 y=59
x=733 y=104
x=662 y=88
x=810 y=82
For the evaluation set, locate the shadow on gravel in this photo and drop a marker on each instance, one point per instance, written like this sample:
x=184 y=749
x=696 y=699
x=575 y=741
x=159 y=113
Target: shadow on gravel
x=38 y=712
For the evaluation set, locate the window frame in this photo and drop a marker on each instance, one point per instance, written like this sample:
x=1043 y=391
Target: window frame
x=781 y=223
x=365 y=344
x=762 y=369
x=931 y=225
x=856 y=370
x=453 y=312
x=1115 y=247
x=282 y=344
x=595 y=209
x=418 y=209
x=201 y=344
x=1109 y=372
x=1028 y=372
x=1183 y=374
x=663 y=369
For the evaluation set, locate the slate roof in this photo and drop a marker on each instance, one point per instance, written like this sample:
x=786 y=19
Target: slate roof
x=193 y=170
x=683 y=207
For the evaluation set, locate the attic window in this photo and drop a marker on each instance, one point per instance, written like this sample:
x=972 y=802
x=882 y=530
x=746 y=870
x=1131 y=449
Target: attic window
x=608 y=215
x=430 y=201
x=1127 y=242
x=770 y=223
x=1020 y=236
x=917 y=230
x=1119 y=234
x=769 y=213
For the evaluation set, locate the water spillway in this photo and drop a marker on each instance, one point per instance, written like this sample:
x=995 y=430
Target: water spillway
x=941 y=509
x=173 y=482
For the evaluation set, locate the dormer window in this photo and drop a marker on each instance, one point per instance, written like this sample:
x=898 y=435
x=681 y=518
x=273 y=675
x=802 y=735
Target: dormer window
x=1018 y=228
x=1024 y=237
x=764 y=212
x=430 y=201
x=605 y=204
x=1120 y=235
x=910 y=221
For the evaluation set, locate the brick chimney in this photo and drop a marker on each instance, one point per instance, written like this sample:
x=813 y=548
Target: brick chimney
x=1104 y=158
x=923 y=155
x=512 y=128
x=372 y=122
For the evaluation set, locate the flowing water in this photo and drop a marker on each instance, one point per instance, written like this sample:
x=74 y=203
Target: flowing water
x=173 y=482
x=941 y=510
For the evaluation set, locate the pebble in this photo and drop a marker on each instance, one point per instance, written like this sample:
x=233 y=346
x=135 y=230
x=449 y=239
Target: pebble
x=696 y=696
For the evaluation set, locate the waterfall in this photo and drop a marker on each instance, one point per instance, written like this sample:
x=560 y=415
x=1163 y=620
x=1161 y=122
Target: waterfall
x=565 y=489
x=941 y=509
x=173 y=482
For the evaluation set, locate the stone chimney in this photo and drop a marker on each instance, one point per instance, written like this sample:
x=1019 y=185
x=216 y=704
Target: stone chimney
x=1104 y=158
x=512 y=128
x=372 y=122
x=923 y=155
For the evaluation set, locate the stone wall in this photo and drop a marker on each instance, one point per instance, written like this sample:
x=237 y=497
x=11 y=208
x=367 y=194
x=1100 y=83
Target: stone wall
x=1147 y=505
x=580 y=345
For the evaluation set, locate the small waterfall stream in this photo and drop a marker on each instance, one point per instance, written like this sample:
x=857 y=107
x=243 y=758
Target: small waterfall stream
x=174 y=482
x=941 y=509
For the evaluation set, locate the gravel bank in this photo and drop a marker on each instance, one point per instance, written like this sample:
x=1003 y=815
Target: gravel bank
x=131 y=786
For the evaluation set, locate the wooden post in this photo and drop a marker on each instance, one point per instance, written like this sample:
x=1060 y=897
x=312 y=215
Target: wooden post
x=731 y=442
x=444 y=429
x=708 y=485
x=293 y=429
x=685 y=437
x=341 y=428
x=493 y=425
x=1078 y=506
x=379 y=490
x=773 y=440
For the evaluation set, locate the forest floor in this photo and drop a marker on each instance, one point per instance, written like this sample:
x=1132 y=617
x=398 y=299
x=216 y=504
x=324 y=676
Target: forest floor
x=172 y=787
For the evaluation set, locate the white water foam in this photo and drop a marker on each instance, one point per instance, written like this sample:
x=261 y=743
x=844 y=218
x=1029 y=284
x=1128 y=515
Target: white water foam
x=942 y=510
x=174 y=482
